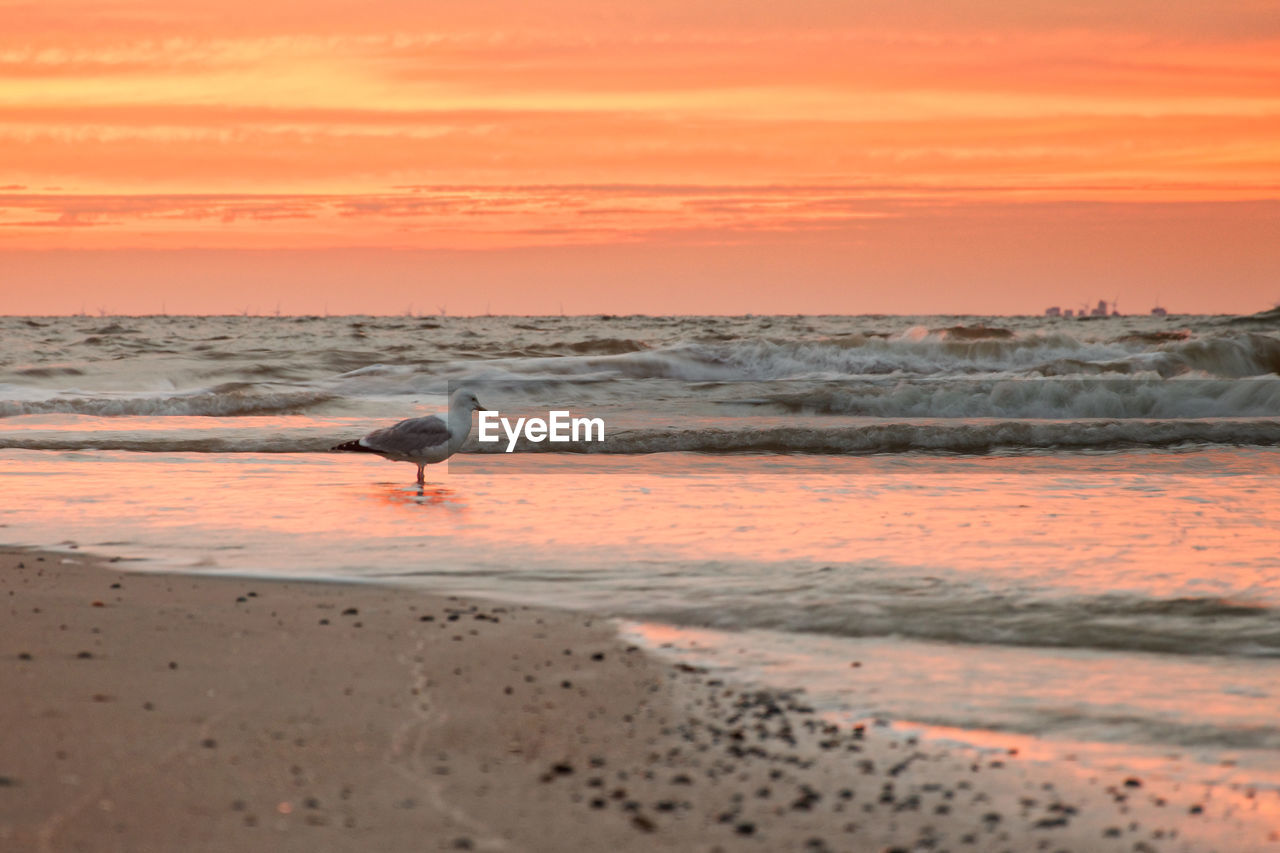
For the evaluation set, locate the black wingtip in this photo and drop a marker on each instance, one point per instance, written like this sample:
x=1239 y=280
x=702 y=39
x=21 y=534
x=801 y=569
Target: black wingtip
x=353 y=447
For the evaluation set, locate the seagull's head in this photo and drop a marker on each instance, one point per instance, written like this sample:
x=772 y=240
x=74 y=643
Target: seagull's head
x=466 y=401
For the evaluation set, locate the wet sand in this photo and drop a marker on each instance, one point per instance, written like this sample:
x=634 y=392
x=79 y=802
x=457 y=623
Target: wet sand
x=145 y=712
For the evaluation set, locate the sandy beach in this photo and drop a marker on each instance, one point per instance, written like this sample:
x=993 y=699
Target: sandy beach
x=165 y=712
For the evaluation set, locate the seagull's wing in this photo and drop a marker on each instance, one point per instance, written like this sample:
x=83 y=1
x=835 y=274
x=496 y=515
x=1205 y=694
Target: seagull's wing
x=408 y=438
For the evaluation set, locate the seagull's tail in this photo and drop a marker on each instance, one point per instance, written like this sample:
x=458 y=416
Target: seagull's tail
x=353 y=446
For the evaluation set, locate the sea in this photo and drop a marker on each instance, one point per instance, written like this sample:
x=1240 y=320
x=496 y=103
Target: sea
x=1060 y=535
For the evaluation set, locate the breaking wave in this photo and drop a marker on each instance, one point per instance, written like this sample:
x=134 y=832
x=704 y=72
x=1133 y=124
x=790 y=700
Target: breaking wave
x=959 y=437
x=941 y=613
x=227 y=400
x=930 y=437
x=919 y=354
x=1025 y=398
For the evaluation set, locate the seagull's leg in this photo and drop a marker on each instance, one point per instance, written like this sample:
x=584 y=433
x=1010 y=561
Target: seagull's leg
x=421 y=477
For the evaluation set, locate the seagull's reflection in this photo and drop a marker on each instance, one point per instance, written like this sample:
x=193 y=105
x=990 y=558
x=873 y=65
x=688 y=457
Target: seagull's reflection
x=419 y=494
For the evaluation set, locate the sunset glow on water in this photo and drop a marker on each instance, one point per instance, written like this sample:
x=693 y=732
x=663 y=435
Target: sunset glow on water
x=1172 y=525
x=1117 y=598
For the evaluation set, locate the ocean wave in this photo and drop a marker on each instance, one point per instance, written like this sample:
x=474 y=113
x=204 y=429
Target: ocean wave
x=1042 y=399
x=287 y=442
x=934 y=437
x=48 y=371
x=605 y=346
x=1113 y=622
x=1126 y=728
x=972 y=438
x=943 y=353
x=225 y=400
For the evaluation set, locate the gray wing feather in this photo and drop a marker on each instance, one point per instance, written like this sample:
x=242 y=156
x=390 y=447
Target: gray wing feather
x=409 y=437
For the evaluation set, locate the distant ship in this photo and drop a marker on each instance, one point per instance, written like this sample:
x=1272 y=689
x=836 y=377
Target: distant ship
x=1102 y=309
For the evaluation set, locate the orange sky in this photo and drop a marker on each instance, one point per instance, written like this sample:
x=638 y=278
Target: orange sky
x=682 y=155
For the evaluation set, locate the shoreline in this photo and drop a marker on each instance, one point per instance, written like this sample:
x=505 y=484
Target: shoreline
x=165 y=711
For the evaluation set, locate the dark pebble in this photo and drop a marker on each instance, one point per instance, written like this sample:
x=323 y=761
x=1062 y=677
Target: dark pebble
x=745 y=828
x=642 y=823
x=1133 y=782
x=462 y=844
x=24 y=655
x=350 y=611
x=85 y=655
x=209 y=743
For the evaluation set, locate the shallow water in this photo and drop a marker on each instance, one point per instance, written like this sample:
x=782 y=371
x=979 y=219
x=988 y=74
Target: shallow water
x=1066 y=533
x=1126 y=598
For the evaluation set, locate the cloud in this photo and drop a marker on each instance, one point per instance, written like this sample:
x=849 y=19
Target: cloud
x=438 y=216
x=265 y=124
x=477 y=216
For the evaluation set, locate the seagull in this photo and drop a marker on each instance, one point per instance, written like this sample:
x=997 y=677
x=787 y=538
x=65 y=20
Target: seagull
x=422 y=440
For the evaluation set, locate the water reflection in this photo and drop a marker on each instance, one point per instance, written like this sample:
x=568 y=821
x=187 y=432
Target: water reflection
x=419 y=495
x=1158 y=525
